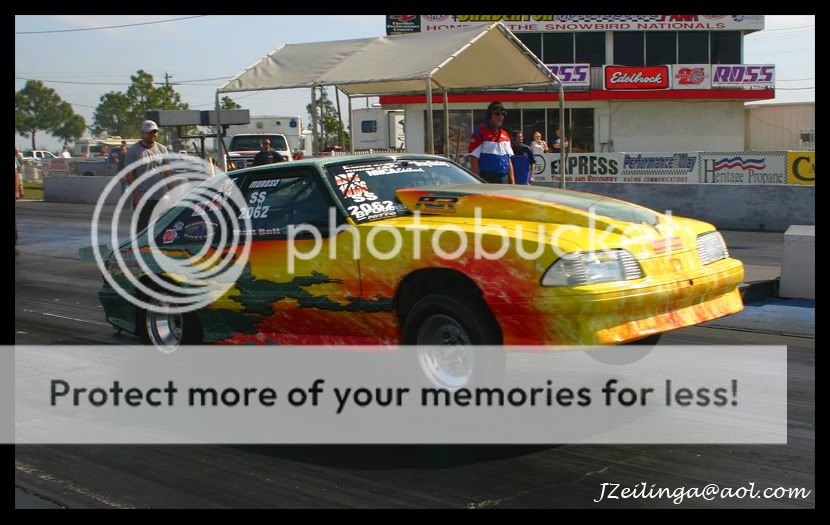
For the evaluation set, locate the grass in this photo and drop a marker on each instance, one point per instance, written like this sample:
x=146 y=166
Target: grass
x=33 y=189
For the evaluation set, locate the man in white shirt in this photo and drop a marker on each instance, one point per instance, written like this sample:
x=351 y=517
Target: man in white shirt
x=65 y=154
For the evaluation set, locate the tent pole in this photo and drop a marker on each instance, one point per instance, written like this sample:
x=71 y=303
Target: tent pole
x=315 y=148
x=351 y=126
x=430 y=134
x=339 y=118
x=446 y=124
x=222 y=149
x=561 y=125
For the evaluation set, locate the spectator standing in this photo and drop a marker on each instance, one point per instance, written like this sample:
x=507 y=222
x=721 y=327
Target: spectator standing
x=266 y=155
x=65 y=153
x=524 y=163
x=538 y=145
x=559 y=143
x=490 y=149
x=147 y=148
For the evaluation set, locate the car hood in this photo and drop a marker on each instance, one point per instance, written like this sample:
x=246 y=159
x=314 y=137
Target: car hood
x=525 y=203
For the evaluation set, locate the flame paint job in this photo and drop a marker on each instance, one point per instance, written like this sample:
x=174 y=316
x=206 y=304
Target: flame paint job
x=351 y=300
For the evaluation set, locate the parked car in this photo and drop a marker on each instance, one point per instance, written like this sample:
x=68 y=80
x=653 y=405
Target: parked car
x=39 y=154
x=600 y=270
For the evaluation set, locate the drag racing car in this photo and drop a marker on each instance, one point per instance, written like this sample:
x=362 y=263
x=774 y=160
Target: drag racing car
x=414 y=249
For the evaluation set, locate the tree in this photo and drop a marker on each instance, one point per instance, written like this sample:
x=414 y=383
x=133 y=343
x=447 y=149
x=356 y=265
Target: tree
x=112 y=116
x=73 y=126
x=122 y=113
x=228 y=103
x=38 y=108
x=330 y=122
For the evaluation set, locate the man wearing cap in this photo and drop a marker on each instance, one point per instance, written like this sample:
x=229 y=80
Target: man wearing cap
x=266 y=155
x=490 y=148
x=153 y=153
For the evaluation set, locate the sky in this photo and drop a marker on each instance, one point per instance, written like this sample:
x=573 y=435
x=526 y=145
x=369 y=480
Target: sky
x=204 y=52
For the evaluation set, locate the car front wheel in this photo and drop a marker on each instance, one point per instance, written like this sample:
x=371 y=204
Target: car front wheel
x=446 y=330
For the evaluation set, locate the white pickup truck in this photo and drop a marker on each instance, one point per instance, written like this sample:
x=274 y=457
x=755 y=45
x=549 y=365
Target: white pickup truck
x=243 y=147
x=38 y=154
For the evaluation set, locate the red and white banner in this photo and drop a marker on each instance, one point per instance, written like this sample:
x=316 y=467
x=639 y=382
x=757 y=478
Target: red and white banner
x=691 y=76
x=746 y=76
x=553 y=23
x=636 y=77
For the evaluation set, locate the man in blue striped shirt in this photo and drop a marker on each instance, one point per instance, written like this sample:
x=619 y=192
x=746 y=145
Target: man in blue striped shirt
x=490 y=148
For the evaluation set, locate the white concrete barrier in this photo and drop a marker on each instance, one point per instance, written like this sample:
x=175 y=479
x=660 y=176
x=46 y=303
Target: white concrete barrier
x=77 y=189
x=798 y=268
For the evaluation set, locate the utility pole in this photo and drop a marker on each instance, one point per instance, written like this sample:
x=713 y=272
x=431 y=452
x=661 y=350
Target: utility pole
x=167 y=79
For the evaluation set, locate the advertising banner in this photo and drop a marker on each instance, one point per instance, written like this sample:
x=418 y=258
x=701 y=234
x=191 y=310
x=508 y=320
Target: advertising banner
x=572 y=75
x=636 y=77
x=402 y=24
x=689 y=167
x=691 y=76
x=746 y=76
x=53 y=167
x=544 y=23
x=743 y=167
x=801 y=168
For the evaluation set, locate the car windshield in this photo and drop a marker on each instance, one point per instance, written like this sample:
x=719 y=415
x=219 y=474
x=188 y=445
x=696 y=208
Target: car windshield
x=254 y=143
x=367 y=188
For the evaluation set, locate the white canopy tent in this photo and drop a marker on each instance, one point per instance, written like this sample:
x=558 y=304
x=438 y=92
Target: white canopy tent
x=463 y=60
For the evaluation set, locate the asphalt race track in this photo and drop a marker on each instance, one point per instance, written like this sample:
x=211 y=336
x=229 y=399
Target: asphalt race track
x=56 y=302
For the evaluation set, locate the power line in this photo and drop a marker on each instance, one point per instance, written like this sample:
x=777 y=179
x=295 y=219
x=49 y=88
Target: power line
x=180 y=82
x=784 y=28
x=107 y=27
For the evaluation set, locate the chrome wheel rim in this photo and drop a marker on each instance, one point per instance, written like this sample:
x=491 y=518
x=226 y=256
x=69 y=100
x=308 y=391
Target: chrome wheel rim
x=445 y=352
x=165 y=329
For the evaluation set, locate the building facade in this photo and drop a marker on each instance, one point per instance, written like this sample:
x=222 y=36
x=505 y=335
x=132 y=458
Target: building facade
x=633 y=82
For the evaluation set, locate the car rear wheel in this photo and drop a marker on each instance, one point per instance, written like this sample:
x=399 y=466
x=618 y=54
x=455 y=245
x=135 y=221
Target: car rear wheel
x=168 y=331
x=446 y=329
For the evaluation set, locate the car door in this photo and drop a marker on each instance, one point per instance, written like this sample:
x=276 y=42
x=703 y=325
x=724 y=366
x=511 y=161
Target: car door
x=302 y=283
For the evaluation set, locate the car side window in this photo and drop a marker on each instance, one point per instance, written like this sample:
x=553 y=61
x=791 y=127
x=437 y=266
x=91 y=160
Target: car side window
x=274 y=202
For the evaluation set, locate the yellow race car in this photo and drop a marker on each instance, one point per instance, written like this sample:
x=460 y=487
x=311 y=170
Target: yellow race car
x=414 y=249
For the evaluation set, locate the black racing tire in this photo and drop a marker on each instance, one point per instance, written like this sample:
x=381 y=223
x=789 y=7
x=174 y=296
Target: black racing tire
x=168 y=332
x=460 y=322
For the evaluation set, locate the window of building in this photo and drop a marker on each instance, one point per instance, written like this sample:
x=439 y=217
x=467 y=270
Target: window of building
x=462 y=123
x=369 y=126
x=661 y=48
x=533 y=120
x=629 y=48
x=533 y=41
x=726 y=47
x=558 y=48
x=578 y=126
x=693 y=47
x=590 y=48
